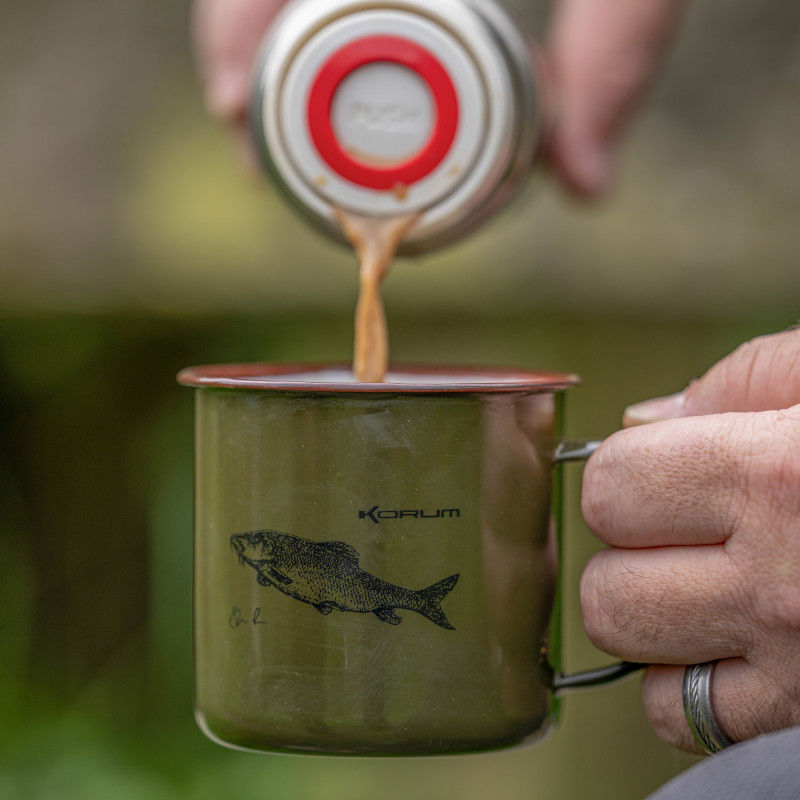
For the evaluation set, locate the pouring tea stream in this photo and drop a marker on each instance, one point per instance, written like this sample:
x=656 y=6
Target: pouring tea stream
x=397 y=126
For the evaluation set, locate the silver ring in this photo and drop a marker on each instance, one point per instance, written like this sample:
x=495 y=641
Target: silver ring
x=697 y=707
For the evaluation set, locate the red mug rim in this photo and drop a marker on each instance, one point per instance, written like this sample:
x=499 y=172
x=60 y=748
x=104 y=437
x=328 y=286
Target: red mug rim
x=402 y=379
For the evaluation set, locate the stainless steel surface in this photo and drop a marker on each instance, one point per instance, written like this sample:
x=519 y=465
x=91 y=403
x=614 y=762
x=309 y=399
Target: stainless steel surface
x=274 y=671
x=478 y=41
x=595 y=677
x=697 y=707
x=575 y=451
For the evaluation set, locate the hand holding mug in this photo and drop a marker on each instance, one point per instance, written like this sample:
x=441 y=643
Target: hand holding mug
x=701 y=512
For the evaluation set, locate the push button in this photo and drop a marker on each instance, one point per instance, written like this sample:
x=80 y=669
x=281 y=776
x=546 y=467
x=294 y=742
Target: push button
x=409 y=107
x=383 y=112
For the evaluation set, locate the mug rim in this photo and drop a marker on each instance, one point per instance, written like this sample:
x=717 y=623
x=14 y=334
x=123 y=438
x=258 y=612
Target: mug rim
x=403 y=379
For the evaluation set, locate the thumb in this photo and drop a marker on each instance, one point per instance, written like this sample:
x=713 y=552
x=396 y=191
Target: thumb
x=760 y=375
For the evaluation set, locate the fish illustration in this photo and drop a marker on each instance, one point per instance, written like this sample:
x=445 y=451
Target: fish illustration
x=327 y=576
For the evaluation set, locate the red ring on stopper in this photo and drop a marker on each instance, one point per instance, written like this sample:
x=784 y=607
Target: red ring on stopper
x=369 y=50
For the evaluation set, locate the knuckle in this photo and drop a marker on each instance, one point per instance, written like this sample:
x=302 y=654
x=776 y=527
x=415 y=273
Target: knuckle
x=612 y=610
x=721 y=482
x=773 y=510
x=741 y=367
x=777 y=607
x=775 y=465
x=753 y=699
x=662 y=703
x=659 y=705
x=725 y=449
x=764 y=372
x=597 y=605
x=748 y=352
x=599 y=479
x=627 y=610
x=700 y=473
x=593 y=497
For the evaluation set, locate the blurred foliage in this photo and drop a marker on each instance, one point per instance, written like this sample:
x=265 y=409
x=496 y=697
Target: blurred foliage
x=132 y=244
x=118 y=192
x=95 y=557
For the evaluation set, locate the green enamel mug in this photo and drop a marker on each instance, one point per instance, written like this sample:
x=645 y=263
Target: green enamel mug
x=376 y=566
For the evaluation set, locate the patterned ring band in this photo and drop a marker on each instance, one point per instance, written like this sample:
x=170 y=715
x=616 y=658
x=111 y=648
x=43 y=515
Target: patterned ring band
x=698 y=710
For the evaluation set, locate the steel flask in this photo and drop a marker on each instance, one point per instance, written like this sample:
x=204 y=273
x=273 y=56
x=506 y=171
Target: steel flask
x=397 y=107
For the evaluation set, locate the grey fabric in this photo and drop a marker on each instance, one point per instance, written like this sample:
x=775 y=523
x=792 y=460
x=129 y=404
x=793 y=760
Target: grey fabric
x=766 y=767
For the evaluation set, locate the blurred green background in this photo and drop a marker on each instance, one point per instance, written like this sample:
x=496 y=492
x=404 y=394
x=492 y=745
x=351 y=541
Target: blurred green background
x=132 y=244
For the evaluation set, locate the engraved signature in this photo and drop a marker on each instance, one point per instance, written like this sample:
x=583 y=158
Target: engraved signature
x=237 y=618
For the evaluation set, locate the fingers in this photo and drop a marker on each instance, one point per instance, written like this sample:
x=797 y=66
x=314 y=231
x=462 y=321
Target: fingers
x=227 y=35
x=746 y=702
x=679 y=482
x=729 y=481
x=665 y=605
x=761 y=375
x=602 y=54
x=730 y=485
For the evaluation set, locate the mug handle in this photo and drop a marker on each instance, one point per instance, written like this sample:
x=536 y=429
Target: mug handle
x=580 y=451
